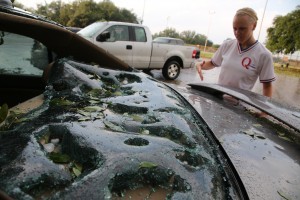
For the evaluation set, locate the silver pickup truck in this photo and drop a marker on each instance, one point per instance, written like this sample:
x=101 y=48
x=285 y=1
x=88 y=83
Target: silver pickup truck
x=133 y=44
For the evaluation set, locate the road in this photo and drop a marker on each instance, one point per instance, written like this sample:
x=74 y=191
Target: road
x=189 y=75
x=286 y=89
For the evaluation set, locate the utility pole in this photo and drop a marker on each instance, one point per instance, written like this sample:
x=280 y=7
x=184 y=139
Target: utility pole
x=209 y=24
x=262 y=19
x=143 y=12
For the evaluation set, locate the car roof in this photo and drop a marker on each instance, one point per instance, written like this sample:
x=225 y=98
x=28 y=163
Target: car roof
x=170 y=38
x=120 y=23
x=6 y=7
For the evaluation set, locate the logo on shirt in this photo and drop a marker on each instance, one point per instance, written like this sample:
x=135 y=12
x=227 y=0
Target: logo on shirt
x=246 y=62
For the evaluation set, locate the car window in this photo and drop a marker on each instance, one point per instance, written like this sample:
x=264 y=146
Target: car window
x=140 y=34
x=180 y=42
x=118 y=33
x=91 y=29
x=22 y=55
x=173 y=42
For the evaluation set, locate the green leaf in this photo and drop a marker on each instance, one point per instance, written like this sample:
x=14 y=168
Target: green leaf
x=60 y=102
x=45 y=138
x=283 y=195
x=146 y=164
x=113 y=126
x=93 y=101
x=249 y=132
x=3 y=112
x=76 y=171
x=117 y=93
x=285 y=138
x=93 y=108
x=260 y=137
x=95 y=93
x=84 y=119
x=84 y=113
x=23 y=119
x=137 y=118
x=257 y=125
x=78 y=166
x=59 y=157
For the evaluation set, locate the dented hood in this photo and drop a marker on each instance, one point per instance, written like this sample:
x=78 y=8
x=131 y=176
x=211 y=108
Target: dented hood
x=101 y=134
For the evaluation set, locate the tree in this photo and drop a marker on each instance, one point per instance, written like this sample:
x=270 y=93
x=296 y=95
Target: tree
x=200 y=39
x=168 y=32
x=52 y=10
x=284 y=35
x=188 y=36
x=81 y=13
x=86 y=13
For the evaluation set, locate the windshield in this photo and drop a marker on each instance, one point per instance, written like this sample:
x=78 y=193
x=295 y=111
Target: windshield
x=91 y=29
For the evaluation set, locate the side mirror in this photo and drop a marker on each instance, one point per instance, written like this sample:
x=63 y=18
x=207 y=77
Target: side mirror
x=103 y=36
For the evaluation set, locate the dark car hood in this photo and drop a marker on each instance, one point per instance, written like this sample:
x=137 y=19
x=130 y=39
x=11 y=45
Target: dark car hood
x=265 y=151
x=117 y=131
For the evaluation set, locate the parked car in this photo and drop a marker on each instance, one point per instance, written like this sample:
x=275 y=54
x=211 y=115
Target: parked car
x=133 y=44
x=78 y=123
x=169 y=40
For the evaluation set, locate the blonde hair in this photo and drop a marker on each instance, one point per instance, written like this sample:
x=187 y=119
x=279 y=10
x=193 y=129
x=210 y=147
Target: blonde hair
x=247 y=11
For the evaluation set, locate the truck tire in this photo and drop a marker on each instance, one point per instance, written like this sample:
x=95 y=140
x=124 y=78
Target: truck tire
x=171 y=70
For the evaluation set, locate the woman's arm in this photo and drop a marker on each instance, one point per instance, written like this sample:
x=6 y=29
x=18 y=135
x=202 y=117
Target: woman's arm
x=205 y=66
x=267 y=89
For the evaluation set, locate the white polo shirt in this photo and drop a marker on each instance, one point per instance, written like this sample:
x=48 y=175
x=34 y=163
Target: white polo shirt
x=242 y=68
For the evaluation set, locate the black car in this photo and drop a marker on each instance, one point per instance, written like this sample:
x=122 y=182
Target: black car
x=78 y=123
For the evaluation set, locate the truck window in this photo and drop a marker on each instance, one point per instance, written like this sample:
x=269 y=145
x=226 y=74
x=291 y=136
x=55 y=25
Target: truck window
x=118 y=33
x=140 y=34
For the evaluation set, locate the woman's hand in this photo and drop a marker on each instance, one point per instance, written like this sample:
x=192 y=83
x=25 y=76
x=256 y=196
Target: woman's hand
x=199 y=69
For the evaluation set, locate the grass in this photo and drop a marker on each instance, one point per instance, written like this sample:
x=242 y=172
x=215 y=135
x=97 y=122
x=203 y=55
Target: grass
x=207 y=55
x=290 y=71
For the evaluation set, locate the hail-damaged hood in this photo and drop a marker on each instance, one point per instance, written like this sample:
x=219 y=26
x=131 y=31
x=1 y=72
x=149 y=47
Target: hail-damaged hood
x=101 y=134
x=264 y=151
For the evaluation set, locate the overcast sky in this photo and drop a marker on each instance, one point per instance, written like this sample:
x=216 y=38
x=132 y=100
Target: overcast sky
x=212 y=18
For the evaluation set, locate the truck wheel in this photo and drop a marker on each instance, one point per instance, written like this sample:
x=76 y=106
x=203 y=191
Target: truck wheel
x=171 y=70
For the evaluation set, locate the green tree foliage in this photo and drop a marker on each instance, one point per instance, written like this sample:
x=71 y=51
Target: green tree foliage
x=200 y=39
x=189 y=37
x=86 y=12
x=52 y=10
x=81 y=13
x=284 y=35
x=168 y=32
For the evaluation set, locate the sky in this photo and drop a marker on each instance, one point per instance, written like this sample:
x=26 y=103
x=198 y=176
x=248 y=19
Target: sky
x=212 y=18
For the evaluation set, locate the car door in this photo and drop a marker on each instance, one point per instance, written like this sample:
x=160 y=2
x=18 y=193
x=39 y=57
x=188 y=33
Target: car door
x=118 y=44
x=142 y=48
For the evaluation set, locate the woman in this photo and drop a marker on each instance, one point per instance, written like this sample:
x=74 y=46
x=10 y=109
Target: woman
x=244 y=59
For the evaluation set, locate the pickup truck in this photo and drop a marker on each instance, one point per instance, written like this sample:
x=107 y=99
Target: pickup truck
x=133 y=44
